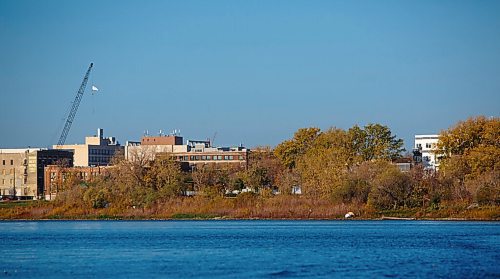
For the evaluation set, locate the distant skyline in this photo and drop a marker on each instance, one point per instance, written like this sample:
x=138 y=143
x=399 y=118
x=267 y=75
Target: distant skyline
x=251 y=71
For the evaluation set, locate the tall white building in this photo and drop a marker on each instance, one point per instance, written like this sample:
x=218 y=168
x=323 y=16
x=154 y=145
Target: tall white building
x=427 y=144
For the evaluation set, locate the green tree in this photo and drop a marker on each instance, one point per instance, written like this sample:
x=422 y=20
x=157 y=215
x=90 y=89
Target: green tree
x=392 y=189
x=165 y=175
x=375 y=141
x=288 y=152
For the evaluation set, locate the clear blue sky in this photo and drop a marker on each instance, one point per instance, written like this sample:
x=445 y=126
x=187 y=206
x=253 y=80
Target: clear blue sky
x=252 y=71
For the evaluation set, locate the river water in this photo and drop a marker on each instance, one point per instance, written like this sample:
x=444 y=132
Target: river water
x=249 y=249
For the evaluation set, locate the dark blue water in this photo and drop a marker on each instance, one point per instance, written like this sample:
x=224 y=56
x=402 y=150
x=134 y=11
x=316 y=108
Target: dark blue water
x=236 y=249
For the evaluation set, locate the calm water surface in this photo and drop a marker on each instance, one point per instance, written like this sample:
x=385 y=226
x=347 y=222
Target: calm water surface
x=236 y=249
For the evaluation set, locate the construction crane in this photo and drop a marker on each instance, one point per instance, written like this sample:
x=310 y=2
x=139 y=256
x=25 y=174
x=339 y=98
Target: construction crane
x=74 y=108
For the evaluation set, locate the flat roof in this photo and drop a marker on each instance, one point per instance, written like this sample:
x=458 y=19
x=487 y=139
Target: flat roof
x=19 y=150
x=427 y=136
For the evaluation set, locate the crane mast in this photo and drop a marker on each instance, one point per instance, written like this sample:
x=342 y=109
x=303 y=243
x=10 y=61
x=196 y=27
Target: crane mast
x=74 y=108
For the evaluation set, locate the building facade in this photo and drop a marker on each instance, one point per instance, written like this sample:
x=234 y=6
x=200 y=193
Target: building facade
x=194 y=153
x=22 y=170
x=427 y=145
x=96 y=151
x=56 y=176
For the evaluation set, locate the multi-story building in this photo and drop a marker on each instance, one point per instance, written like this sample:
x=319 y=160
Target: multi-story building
x=22 y=170
x=427 y=145
x=193 y=153
x=96 y=151
x=201 y=153
x=56 y=176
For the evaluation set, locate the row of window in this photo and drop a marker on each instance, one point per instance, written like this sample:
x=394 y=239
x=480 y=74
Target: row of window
x=11 y=162
x=99 y=159
x=11 y=171
x=25 y=181
x=209 y=158
x=102 y=152
x=427 y=145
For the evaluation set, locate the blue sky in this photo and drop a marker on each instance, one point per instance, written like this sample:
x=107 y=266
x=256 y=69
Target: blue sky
x=251 y=71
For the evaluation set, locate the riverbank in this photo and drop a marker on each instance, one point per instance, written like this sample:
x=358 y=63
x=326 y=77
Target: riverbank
x=283 y=208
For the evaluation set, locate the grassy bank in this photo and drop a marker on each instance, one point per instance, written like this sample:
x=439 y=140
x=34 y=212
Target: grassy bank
x=249 y=207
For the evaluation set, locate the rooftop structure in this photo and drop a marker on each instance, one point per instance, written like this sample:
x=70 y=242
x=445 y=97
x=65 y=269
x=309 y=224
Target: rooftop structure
x=96 y=151
x=193 y=153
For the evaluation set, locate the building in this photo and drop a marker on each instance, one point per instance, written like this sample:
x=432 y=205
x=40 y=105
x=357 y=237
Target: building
x=96 y=151
x=404 y=164
x=193 y=153
x=427 y=145
x=22 y=170
x=56 y=176
x=201 y=153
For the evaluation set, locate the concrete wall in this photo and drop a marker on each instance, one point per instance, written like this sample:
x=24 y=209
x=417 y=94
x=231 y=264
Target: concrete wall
x=14 y=175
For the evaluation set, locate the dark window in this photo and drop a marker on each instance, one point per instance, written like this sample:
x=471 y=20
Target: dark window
x=4 y=162
x=11 y=162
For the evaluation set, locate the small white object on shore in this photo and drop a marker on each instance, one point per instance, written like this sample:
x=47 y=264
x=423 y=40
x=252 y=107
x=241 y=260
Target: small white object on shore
x=349 y=214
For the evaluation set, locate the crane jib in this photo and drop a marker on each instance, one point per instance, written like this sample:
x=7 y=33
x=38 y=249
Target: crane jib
x=74 y=108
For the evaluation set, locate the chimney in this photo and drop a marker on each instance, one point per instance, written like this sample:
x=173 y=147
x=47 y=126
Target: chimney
x=100 y=133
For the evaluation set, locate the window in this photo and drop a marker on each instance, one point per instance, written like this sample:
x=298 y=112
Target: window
x=240 y=157
x=231 y=157
x=4 y=162
x=3 y=181
x=203 y=157
x=11 y=162
x=3 y=172
x=427 y=145
x=219 y=157
x=209 y=157
x=419 y=145
x=226 y=157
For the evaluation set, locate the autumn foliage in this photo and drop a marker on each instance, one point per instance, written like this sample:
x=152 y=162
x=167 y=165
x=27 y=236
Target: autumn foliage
x=336 y=171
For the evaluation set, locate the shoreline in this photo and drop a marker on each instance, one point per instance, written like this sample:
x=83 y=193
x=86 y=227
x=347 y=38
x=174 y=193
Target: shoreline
x=385 y=218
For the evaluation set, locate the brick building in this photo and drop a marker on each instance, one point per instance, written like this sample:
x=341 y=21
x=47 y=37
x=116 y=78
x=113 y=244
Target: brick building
x=56 y=176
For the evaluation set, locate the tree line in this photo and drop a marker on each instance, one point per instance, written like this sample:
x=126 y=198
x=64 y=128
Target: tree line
x=335 y=166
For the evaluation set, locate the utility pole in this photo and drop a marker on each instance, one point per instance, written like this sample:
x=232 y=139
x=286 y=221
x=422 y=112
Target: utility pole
x=14 y=186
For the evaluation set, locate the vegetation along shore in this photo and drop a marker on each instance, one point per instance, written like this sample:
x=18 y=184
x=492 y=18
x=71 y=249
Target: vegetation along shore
x=336 y=170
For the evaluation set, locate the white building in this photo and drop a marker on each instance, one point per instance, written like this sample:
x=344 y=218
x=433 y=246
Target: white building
x=427 y=144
